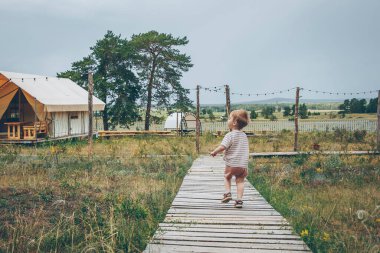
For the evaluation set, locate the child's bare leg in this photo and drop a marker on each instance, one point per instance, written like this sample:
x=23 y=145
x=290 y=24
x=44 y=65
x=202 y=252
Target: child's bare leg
x=240 y=188
x=227 y=184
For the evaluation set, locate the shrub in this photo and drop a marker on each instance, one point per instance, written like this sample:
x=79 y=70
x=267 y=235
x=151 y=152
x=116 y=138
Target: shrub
x=359 y=135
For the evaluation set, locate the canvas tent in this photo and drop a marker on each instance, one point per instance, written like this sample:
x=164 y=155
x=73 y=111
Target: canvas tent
x=180 y=121
x=60 y=102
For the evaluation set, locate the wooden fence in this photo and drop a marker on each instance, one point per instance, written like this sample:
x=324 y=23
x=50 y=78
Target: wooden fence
x=304 y=125
x=279 y=125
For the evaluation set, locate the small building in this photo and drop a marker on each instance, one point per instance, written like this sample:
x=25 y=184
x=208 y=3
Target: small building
x=36 y=108
x=180 y=121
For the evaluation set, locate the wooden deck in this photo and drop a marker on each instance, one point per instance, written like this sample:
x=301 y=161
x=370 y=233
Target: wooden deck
x=293 y=153
x=3 y=139
x=107 y=133
x=198 y=222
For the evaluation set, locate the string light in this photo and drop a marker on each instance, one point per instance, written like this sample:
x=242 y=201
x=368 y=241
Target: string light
x=340 y=93
x=262 y=94
x=29 y=78
x=221 y=88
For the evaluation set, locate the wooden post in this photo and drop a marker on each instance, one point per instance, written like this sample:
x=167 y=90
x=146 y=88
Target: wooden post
x=228 y=105
x=181 y=124
x=296 y=120
x=96 y=121
x=19 y=105
x=35 y=118
x=177 y=132
x=198 y=127
x=90 y=113
x=378 y=121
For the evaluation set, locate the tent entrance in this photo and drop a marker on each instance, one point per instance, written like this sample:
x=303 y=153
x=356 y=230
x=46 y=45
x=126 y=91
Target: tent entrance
x=18 y=110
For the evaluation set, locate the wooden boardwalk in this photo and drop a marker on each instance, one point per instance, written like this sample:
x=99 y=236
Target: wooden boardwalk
x=198 y=222
x=294 y=153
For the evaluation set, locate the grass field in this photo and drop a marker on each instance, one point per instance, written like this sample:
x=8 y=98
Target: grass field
x=333 y=202
x=53 y=199
x=56 y=200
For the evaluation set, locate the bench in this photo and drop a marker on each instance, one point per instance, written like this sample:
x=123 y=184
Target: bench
x=30 y=132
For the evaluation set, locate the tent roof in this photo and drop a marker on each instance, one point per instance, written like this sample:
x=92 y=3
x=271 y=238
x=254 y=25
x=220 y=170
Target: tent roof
x=57 y=94
x=171 y=120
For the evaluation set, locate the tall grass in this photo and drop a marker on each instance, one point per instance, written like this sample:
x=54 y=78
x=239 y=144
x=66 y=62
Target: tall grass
x=59 y=201
x=333 y=202
x=54 y=199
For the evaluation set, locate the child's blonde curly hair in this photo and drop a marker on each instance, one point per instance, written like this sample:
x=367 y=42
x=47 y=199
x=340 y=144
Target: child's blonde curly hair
x=241 y=117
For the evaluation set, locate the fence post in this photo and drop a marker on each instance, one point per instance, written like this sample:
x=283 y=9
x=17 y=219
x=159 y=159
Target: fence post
x=378 y=121
x=296 y=120
x=90 y=113
x=228 y=105
x=198 y=128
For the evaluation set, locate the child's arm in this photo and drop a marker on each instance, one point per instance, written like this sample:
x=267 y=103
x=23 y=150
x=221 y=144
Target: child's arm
x=219 y=149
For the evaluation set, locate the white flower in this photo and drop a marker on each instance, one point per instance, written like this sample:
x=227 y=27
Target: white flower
x=361 y=214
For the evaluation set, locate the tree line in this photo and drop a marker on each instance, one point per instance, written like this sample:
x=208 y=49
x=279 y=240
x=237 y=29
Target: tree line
x=349 y=106
x=142 y=71
x=358 y=106
x=267 y=112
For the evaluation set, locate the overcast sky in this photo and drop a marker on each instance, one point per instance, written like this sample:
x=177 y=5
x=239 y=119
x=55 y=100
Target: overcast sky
x=254 y=46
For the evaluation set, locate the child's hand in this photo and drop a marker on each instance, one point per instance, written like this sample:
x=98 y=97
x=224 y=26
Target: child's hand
x=213 y=153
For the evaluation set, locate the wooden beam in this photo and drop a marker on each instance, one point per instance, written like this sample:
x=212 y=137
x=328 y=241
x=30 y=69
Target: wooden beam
x=198 y=125
x=378 y=121
x=35 y=117
x=296 y=120
x=228 y=103
x=90 y=113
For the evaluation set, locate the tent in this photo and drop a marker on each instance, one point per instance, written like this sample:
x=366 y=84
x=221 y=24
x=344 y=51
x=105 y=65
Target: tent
x=60 y=102
x=180 y=121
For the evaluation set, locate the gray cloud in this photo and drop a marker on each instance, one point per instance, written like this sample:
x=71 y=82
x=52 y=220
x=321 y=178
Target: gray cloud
x=255 y=46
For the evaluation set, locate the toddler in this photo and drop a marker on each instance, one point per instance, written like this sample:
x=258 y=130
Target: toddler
x=235 y=145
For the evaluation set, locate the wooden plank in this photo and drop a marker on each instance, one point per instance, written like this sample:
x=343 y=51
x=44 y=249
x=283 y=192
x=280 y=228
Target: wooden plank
x=239 y=213
x=159 y=248
x=224 y=221
x=233 y=238
x=221 y=226
x=239 y=245
x=198 y=222
x=223 y=231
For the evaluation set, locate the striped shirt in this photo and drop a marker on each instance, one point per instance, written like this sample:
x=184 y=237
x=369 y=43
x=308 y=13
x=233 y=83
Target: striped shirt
x=237 y=149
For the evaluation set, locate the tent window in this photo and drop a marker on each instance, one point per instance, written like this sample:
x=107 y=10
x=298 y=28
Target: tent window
x=14 y=115
x=74 y=116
